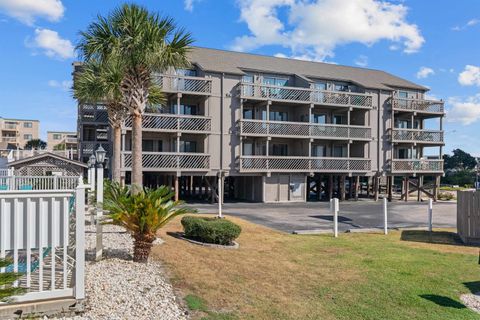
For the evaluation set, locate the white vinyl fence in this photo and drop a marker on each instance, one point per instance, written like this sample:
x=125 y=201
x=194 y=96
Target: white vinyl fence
x=43 y=233
x=38 y=183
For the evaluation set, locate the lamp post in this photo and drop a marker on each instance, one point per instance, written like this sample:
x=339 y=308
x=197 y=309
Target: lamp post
x=100 y=159
x=92 y=171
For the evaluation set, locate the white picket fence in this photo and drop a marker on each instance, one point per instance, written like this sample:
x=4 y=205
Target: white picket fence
x=43 y=232
x=38 y=183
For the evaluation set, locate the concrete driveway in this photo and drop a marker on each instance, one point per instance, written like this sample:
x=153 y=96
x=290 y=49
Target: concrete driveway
x=290 y=217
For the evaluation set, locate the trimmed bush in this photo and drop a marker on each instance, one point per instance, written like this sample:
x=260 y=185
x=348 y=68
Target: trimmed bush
x=210 y=230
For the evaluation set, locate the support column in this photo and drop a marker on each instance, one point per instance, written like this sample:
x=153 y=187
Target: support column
x=350 y=189
x=342 y=188
x=175 y=186
x=357 y=186
x=407 y=182
x=375 y=188
x=390 y=188
x=436 y=185
x=419 y=186
x=368 y=186
x=330 y=187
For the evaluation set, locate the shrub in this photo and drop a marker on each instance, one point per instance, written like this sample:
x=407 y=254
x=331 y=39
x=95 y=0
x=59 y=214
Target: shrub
x=210 y=230
x=446 y=196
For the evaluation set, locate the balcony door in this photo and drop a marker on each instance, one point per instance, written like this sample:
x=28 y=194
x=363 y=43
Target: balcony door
x=339 y=151
x=319 y=118
x=273 y=81
x=319 y=151
x=406 y=153
x=185 y=84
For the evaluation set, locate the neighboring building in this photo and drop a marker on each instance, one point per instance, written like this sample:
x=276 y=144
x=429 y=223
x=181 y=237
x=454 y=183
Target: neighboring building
x=48 y=164
x=15 y=133
x=62 y=140
x=279 y=129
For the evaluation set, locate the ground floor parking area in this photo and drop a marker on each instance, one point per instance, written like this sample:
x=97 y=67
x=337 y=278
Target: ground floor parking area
x=290 y=217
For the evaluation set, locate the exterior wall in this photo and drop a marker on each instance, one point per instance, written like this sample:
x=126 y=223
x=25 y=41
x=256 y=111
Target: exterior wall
x=18 y=131
x=55 y=138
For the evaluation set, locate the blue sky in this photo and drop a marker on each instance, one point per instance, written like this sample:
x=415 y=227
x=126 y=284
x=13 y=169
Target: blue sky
x=436 y=46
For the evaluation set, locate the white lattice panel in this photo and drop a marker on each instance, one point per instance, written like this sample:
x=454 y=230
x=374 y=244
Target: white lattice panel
x=418 y=135
x=414 y=165
x=170 y=161
x=303 y=164
x=170 y=122
x=418 y=105
x=175 y=83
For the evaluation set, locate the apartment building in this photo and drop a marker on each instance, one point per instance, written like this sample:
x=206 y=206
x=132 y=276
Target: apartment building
x=62 y=140
x=278 y=130
x=15 y=133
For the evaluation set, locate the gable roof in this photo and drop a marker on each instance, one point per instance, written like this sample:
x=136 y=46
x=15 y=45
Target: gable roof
x=231 y=62
x=46 y=155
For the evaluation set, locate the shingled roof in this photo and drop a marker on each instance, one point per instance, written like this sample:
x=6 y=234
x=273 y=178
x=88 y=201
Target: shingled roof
x=231 y=62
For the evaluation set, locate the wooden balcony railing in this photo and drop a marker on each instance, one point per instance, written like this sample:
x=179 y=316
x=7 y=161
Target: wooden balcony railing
x=169 y=161
x=417 y=136
x=303 y=164
x=416 y=166
x=304 y=95
x=419 y=105
x=185 y=84
x=303 y=129
x=173 y=123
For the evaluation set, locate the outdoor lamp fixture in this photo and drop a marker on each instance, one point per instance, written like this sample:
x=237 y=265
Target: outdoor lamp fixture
x=92 y=160
x=100 y=154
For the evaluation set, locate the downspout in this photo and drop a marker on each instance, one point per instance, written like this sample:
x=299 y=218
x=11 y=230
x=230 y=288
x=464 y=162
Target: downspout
x=379 y=145
x=222 y=102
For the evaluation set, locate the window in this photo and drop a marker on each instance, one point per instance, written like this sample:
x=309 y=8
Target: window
x=339 y=119
x=319 y=118
x=247 y=149
x=185 y=146
x=27 y=137
x=247 y=114
x=318 y=151
x=274 y=81
x=152 y=145
x=340 y=86
x=186 y=109
x=407 y=153
x=248 y=78
x=186 y=72
x=27 y=124
x=339 y=151
x=320 y=85
x=278 y=116
x=57 y=136
x=279 y=149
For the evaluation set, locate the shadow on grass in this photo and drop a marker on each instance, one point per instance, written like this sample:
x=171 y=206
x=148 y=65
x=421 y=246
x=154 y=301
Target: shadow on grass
x=443 y=301
x=436 y=237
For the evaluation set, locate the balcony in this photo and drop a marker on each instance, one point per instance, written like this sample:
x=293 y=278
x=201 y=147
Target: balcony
x=169 y=161
x=257 y=91
x=94 y=114
x=416 y=166
x=303 y=130
x=418 y=105
x=184 y=84
x=173 y=123
x=9 y=139
x=434 y=137
x=303 y=164
x=10 y=126
x=70 y=140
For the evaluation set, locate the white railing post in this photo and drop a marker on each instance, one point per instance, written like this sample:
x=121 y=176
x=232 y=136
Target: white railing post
x=430 y=214
x=99 y=227
x=80 y=241
x=334 y=204
x=385 y=215
x=220 y=195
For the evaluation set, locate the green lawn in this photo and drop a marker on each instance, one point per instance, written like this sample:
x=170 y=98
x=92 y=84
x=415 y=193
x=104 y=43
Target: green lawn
x=405 y=275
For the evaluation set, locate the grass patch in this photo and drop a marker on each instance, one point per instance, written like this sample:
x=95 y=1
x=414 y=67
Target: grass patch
x=356 y=276
x=195 y=303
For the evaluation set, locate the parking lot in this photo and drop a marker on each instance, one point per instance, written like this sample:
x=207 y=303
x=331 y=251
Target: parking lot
x=289 y=217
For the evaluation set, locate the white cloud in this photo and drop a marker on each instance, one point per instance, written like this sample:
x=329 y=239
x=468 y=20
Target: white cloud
x=51 y=44
x=470 y=76
x=361 y=61
x=65 y=85
x=315 y=29
x=425 y=72
x=466 y=111
x=470 y=23
x=28 y=10
x=188 y=4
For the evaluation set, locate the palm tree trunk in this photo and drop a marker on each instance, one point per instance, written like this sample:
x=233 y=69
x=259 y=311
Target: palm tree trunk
x=137 y=176
x=117 y=150
x=141 y=250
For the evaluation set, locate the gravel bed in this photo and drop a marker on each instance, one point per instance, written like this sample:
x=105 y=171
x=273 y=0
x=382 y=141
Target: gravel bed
x=472 y=301
x=118 y=288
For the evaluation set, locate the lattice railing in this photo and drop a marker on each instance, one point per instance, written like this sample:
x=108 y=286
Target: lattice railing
x=303 y=164
x=87 y=148
x=417 y=165
x=38 y=183
x=305 y=95
x=172 y=122
x=417 y=135
x=176 y=83
x=312 y=130
x=94 y=113
x=170 y=161
x=418 y=105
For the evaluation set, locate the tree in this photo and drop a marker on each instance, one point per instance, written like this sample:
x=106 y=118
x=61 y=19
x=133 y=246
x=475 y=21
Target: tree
x=6 y=280
x=460 y=160
x=143 y=44
x=142 y=214
x=35 y=144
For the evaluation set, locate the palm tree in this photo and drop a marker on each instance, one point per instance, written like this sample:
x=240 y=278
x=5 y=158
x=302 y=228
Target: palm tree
x=96 y=83
x=35 y=144
x=144 y=44
x=142 y=214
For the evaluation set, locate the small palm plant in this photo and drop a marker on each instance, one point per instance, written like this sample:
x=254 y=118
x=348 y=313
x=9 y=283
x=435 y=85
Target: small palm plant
x=142 y=214
x=6 y=281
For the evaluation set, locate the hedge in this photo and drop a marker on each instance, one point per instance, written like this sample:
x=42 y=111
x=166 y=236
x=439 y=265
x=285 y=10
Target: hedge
x=210 y=230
